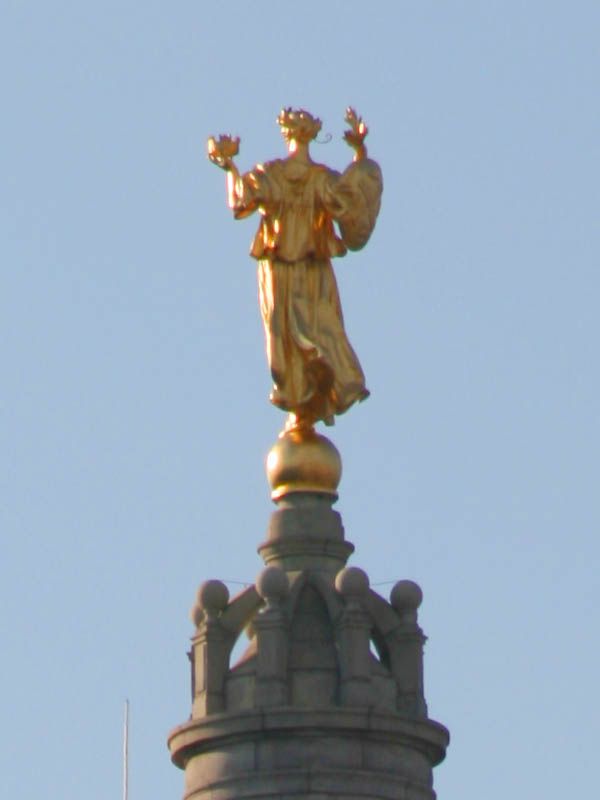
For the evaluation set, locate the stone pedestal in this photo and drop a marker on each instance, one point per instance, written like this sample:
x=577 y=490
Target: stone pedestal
x=327 y=701
x=305 y=533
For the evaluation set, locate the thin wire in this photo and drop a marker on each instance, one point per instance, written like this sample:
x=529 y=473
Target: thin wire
x=245 y=583
x=240 y=583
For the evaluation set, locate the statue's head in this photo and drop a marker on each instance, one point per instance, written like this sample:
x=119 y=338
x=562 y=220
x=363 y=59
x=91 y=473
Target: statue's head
x=299 y=125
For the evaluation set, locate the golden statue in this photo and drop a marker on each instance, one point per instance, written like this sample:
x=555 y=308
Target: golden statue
x=315 y=371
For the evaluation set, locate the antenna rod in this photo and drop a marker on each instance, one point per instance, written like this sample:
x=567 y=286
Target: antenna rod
x=125 y=749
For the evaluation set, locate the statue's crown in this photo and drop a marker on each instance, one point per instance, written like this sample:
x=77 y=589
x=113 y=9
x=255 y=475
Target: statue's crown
x=298 y=124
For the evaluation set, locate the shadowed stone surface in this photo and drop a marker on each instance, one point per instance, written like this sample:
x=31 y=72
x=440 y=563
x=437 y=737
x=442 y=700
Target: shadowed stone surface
x=308 y=711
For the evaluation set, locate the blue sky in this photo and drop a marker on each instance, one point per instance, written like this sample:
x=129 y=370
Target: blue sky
x=134 y=407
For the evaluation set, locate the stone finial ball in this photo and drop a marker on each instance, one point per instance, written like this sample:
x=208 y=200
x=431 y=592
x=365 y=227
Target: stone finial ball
x=272 y=582
x=352 y=582
x=406 y=596
x=213 y=596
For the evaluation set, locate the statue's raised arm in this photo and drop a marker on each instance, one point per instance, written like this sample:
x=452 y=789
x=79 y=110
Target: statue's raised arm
x=357 y=195
x=356 y=134
x=221 y=152
x=315 y=371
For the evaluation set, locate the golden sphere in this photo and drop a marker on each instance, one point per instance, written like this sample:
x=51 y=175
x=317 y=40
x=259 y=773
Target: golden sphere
x=303 y=461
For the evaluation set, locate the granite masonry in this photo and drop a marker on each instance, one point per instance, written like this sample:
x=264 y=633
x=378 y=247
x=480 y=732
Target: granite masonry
x=327 y=701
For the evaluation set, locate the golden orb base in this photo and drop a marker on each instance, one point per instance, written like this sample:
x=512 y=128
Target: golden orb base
x=303 y=461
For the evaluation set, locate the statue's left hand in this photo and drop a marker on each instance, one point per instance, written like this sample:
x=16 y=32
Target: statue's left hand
x=222 y=151
x=355 y=136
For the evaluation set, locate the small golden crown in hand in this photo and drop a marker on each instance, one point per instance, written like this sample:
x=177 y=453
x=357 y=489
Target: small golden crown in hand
x=358 y=130
x=222 y=150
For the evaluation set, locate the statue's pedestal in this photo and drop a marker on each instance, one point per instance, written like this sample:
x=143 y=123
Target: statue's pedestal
x=327 y=701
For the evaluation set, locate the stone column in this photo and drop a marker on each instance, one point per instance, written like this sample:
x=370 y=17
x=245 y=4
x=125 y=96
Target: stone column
x=272 y=639
x=354 y=630
x=406 y=649
x=211 y=645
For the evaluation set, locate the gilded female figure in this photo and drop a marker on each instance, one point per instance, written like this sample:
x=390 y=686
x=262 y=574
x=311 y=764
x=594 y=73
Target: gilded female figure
x=315 y=371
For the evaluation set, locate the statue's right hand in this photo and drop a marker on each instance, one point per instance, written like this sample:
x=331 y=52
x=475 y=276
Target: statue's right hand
x=222 y=151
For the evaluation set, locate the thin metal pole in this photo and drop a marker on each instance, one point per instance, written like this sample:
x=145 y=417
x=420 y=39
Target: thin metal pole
x=125 y=749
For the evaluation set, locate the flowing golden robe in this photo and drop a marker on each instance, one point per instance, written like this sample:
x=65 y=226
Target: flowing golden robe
x=314 y=368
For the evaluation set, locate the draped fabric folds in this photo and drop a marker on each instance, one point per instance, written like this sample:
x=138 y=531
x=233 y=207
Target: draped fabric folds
x=314 y=368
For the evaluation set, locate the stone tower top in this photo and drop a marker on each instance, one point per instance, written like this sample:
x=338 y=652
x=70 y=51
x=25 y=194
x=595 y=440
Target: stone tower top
x=327 y=700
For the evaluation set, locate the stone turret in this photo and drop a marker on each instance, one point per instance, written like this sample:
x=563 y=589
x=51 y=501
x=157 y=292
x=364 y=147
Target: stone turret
x=327 y=701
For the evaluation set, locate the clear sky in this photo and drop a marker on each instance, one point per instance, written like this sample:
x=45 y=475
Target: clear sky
x=134 y=393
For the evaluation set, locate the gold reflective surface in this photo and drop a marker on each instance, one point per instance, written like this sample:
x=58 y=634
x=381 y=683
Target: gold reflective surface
x=303 y=461
x=315 y=371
